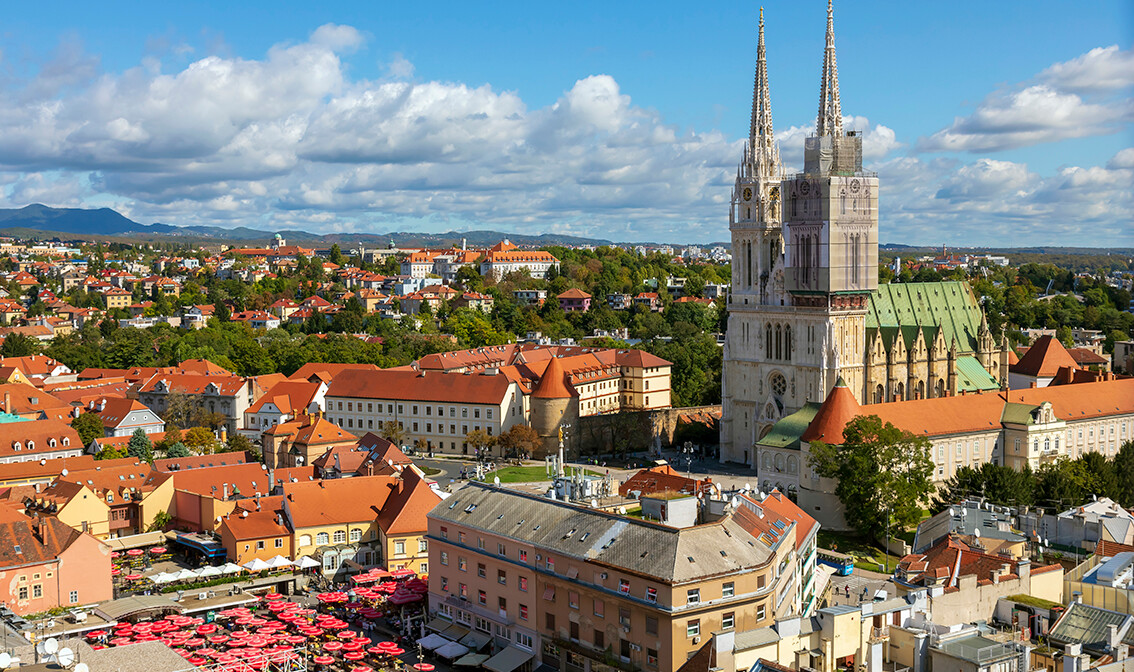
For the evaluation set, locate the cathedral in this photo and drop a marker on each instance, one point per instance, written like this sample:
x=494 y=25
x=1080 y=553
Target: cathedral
x=806 y=308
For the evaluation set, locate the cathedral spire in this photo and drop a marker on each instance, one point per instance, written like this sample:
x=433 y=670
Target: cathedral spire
x=830 y=120
x=761 y=144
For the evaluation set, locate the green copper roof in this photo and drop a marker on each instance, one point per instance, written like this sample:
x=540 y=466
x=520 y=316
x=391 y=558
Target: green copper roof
x=1018 y=414
x=5 y=418
x=971 y=376
x=907 y=307
x=786 y=432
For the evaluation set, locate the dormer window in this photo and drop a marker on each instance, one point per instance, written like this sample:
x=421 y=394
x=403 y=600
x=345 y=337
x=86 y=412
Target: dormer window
x=51 y=442
x=16 y=446
x=66 y=440
x=31 y=445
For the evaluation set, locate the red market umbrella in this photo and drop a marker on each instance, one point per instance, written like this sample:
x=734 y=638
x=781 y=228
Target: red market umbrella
x=346 y=634
x=403 y=573
x=121 y=641
x=395 y=652
x=95 y=634
x=356 y=645
x=423 y=667
x=134 y=552
x=272 y=597
x=295 y=639
x=362 y=668
x=115 y=571
x=332 y=646
x=133 y=577
x=196 y=660
x=207 y=652
x=387 y=645
x=207 y=629
x=354 y=655
x=157 y=550
x=114 y=554
x=218 y=639
x=323 y=660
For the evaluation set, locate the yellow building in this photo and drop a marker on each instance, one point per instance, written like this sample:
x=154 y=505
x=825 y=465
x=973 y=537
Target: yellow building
x=73 y=504
x=402 y=522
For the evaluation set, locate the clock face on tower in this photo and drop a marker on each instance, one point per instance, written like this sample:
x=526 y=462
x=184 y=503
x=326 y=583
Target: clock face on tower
x=747 y=194
x=804 y=188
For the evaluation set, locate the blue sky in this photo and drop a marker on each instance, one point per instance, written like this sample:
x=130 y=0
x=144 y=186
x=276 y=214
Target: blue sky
x=989 y=123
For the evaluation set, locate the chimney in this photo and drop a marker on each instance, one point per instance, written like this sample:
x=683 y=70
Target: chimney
x=1034 y=384
x=7 y=402
x=224 y=434
x=995 y=575
x=1112 y=638
x=102 y=405
x=226 y=492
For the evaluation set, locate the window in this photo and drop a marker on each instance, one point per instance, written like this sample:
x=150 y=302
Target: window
x=501 y=550
x=322 y=538
x=574 y=628
x=523 y=556
x=599 y=639
x=480 y=543
x=462 y=564
x=502 y=604
x=548 y=621
x=693 y=628
x=573 y=599
x=464 y=591
x=550 y=564
x=728 y=621
x=523 y=612
x=482 y=597
x=356 y=535
x=651 y=625
x=693 y=596
x=445 y=558
x=399 y=548
x=23 y=593
x=422 y=546
x=760 y=612
x=260 y=545
x=624 y=586
x=37 y=590
x=480 y=570
x=524 y=584
x=727 y=590
x=74 y=597
x=624 y=616
x=501 y=577
x=599 y=609
x=444 y=532
x=305 y=540
x=652 y=595
x=279 y=543
x=444 y=584
x=340 y=536
x=760 y=581
x=460 y=537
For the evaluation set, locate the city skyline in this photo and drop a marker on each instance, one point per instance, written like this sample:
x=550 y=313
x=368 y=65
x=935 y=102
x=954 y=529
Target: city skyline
x=623 y=123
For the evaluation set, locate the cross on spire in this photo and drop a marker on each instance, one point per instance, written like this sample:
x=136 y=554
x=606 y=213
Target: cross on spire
x=830 y=120
x=761 y=150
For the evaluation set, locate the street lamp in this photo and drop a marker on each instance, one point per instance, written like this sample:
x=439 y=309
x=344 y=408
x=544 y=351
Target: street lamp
x=687 y=452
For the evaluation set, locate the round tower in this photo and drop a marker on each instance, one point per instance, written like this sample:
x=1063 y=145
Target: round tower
x=553 y=405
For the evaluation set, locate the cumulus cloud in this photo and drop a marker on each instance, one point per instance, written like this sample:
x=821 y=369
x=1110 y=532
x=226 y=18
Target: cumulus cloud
x=290 y=140
x=1074 y=99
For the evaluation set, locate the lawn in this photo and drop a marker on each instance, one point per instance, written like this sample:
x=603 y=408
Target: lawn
x=524 y=474
x=866 y=554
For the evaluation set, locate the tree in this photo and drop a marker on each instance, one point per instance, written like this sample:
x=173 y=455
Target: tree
x=161 y=520
x=238 y=443
x=89 y=427
x=479 y=440
x=520 y=441
x=1124 y=470
x=393 y=432
x=111 y=453
x=178 y=449
x=336 y=256
x=883 y=474
x=19 y=345
x=140 y=446
x=200 y=439
x=172 y=436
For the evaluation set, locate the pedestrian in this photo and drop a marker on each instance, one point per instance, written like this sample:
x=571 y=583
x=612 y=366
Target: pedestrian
x=847 y=588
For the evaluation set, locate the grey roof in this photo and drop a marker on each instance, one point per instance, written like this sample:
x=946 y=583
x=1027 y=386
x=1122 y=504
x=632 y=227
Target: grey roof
x=570 y=532
x=1089 y=626
x=977 y=649
x=992 y=525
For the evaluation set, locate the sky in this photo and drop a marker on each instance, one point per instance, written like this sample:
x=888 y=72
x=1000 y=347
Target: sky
x=990 y=124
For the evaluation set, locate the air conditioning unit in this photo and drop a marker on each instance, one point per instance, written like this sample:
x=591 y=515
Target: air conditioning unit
x=604 y=576
x=626 y=628
x=635 y=647
x=696 y=640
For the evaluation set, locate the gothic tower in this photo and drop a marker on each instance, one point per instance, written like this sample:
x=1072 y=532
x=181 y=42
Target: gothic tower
x=805 y=258
x=757 y=256
x=831 y=234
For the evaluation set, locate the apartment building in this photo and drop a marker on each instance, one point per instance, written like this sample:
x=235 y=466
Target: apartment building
x=436 y=409
x=570 y=586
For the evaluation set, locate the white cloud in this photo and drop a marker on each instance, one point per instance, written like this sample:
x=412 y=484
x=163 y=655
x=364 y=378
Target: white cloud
x=290 y=140
x=1078 y=98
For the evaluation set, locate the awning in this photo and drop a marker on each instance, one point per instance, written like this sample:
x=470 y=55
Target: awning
x=136 y=541
x=451 y=650
x=432 y=641
x=438 y=624
x=475 y=640
x=454 y=632
x=508 y=659
x=572 y=572
x=549 y=593
x=470 y=660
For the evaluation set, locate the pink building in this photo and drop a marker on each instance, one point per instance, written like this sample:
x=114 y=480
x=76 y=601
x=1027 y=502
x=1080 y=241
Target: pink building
x=45 y=564
x=575 y=300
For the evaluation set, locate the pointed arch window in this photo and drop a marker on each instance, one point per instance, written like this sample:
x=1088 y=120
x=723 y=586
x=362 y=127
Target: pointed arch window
x=768 y=341
x=787 y=342
x=779 y=342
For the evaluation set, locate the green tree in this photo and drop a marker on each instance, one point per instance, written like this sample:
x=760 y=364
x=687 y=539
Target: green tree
x=393 y=432
x=479 y=440
x=19 y=345
x=238 y=443
x=884 y=474
x=1124 y=471
x=89 y=427
x=178 y=449
x=140 y=446
x=161 y=521
x=111 y=453
x=519 y=441
x=336 y=256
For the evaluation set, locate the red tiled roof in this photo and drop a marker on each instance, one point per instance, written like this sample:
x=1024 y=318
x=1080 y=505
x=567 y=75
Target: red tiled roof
x=290 y=397
x=839 y=408
x=244 y=480
x=200 y=461
x=553 y=383
x=407 y=506
x=20 y=544
x=338 y=500
x=662 y=478
x=431 y=386
x=1044 y=358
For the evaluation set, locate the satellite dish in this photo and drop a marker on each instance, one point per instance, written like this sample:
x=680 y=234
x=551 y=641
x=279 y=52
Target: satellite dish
x=496 y=480
x=51 y=645
x=82 y=667
x=976 y=533
x=594 y=503
x=952 y=511
x=43 y=462
x=39 y=648
x=1046 y=542
x=622 y=510
x=64 y=472
x=747 y=487
x=6 y=660
x=65 y=657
